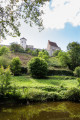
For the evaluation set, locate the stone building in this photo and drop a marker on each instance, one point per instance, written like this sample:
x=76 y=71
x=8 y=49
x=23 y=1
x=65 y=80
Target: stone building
x=51 y=47
x=23 y=43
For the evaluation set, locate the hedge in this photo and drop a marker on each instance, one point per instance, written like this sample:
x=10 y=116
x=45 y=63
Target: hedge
x=60 y=72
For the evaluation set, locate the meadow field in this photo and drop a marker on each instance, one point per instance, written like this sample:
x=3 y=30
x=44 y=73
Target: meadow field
x=52 y=88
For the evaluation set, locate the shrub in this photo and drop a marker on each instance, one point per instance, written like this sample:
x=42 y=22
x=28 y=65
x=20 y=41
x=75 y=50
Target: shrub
x=78 y=79
x=16 y=66
x=14 y=47
x=44 y=54
x=37 y=67
x=64 y=59
x=29 y=51
x=35 y=52
x=4 y=61
x=53 y=96
x=55 y=53
x=77 y=71
x=4 y=50
x=60 y=72
x=73 y=94
x=5 y=77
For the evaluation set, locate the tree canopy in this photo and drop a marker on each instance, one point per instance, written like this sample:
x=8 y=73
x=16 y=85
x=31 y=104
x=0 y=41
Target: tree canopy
x=71 y=58
x=74 y=54
x=11 y=11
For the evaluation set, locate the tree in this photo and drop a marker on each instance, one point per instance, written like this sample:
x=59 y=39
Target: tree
x=38 y=67
x=28 y=51
x=11 y=11
x=14 y=47
x=5 y=61
x=35 y=52
x=4 y=50
x=44 y=54
x=55 y=53
x=16 y=66
x=77 y=71
x=74 y=54
x=64 y=58
x=5 y=77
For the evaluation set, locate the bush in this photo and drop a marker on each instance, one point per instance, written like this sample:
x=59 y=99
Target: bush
x=73 y=94
x=4 y=50
x=38 y=67
x=4 y=61
x=55 y=53
x=44 y=54
x=16 y=66
x=14 y=47
x=77 y=71
x=29 y=51
x=60 y=72
x=78 y=79
x=5 y=77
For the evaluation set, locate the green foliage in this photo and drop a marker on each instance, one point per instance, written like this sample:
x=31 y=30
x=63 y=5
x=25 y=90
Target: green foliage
x=32 y=52
x=29 y=51
x=4 y=50
x=35 y=52
x=64 y=58
x=16 y=66
x=77 y=71
x=14 y=47
x=74 y=54
x=44 y=54
x=55 y=53
x=37 y=67
x=54 y=62
x=60 y=72
x=54 y=88
x=73 y=94
x=4 y=61
x=5 y=77
x=78 y=79
x=11 y=13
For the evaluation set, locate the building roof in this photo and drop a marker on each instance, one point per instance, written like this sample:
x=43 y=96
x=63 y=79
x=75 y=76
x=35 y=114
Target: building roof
x=52 y=43
x=23 y=38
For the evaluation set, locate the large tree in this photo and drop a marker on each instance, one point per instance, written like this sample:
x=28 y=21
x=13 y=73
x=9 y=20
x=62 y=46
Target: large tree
x=74 y=54
x=11 y=11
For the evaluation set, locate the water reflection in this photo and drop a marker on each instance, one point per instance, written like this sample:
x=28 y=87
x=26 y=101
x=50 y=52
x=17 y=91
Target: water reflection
x=42 y=111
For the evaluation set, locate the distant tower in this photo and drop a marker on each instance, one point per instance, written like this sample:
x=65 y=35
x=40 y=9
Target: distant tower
x=23 y=42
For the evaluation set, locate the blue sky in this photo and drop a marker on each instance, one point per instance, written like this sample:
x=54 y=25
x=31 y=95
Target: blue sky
x=62 y=25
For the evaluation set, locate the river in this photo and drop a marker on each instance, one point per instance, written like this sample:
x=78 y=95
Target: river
x=42 y=111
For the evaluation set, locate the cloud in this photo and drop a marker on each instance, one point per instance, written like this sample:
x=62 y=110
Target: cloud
x=60 y=12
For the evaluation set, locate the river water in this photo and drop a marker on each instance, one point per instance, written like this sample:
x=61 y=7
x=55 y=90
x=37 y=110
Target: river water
x=42 y=111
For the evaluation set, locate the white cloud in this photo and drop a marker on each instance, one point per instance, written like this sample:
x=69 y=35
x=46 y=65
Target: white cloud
x=64 y=11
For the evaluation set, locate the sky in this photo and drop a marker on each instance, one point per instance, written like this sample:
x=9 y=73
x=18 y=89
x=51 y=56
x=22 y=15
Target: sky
x=61 y=22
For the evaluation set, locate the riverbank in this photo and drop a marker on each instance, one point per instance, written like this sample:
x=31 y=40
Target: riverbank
x=25 y=89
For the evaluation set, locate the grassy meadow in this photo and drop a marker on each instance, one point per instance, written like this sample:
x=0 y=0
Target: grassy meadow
x=54 y=88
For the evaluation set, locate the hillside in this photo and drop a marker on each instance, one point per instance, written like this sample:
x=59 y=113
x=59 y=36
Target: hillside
x=23 y=57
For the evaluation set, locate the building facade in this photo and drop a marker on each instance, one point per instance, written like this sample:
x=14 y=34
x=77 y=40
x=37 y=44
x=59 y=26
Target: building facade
x=51 y=47
x=23 y=42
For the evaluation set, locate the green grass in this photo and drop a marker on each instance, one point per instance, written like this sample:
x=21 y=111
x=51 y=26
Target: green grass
x=53 y=88
x=52 y=81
